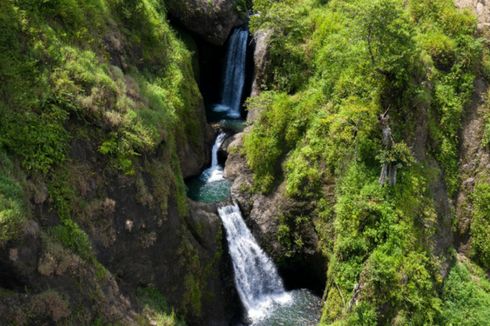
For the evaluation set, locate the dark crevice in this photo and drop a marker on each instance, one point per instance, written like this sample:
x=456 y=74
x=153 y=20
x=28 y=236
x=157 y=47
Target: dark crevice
x=10 y=279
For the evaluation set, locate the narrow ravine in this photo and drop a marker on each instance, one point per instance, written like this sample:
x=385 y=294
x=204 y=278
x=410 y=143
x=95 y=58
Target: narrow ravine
x=258 y=283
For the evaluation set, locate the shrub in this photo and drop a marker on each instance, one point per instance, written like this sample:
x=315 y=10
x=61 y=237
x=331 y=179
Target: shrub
x=480 y=225
x=156 y=308
x=466 y=296
x=39 y=139
x=69 y=234
x=13 y=211
x=441 y=48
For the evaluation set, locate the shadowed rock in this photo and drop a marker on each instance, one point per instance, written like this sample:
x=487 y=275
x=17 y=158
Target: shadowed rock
x=213 y=20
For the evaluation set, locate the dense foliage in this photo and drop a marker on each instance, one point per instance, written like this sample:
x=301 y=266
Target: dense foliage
x=466 y=296
x=60 y=73
x=333 y=68
x=110 y=79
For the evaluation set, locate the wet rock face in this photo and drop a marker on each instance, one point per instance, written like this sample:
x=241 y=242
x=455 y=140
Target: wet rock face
x=474 y=161
x=262 y=40
x=211 y=19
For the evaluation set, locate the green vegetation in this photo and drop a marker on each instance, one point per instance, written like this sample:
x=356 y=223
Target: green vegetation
x=12 y=202
x=156 y=308
x=106 y=79
x=112 y=80
x=480 y=225
x=466 y=296
x=69 y=67
x=131 y=92
x=333 y=68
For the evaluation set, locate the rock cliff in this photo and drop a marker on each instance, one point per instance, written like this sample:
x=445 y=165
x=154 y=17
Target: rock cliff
x=101 y=121
x=212 y=20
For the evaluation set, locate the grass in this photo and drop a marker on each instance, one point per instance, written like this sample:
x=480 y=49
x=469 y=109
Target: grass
x=156 y=308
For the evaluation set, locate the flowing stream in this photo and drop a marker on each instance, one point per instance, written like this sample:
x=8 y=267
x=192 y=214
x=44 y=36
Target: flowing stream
x=258 y=283
x=211 y=186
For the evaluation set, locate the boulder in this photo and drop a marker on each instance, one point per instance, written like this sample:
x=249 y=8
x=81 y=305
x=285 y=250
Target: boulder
x=213 y=20
x=262 y=40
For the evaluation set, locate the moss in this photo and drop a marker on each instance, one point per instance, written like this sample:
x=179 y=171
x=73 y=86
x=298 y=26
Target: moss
x=156 y=310
x=180 y=188
x=68 y=232
x=486 y=127
x=480 y=225
x=13 y=209
x=195 y=279
x=193 y=293
x=289 y=234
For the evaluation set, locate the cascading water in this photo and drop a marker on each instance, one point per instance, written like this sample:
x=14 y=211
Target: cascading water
x=256 y=277
x=236 y=59
x=259 y=285
x=215 y=171
x=211 y=185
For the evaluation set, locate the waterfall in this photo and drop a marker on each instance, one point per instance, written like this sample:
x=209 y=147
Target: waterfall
x=215 y=171
x=234 y=79
x=259 y=285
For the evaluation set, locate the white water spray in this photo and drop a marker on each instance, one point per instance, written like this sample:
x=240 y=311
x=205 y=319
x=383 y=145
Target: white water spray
x=259 y=285
x=236 y=58
x=215 y=171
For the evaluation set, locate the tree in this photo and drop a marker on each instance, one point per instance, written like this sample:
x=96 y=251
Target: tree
x=385 y=28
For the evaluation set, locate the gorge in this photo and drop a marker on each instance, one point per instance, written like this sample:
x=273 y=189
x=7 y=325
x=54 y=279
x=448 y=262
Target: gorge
x=218 y=162
x=258 y=283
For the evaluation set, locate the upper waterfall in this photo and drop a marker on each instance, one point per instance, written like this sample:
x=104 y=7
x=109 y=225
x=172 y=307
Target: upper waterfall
x=234 y=78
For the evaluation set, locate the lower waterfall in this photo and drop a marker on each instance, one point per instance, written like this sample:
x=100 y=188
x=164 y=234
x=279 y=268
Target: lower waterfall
x=256 y=277
x=258 y=283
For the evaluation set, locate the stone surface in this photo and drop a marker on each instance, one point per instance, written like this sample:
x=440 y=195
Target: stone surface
x=262 y=39
x=481 y=9
x=213 y=20
x=45 y=279
x=193 y=156
x=474 y=159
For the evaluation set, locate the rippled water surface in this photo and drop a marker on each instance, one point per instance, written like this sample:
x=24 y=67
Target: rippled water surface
x=303 y=310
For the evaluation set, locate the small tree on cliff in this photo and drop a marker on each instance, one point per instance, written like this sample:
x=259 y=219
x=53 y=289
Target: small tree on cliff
x=388 y=35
